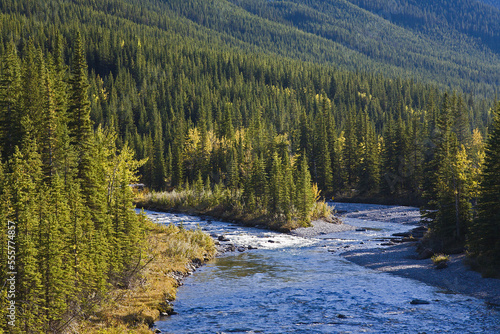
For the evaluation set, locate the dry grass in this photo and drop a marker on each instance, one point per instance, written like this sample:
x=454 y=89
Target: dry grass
x=226 y=204
x=169 y=251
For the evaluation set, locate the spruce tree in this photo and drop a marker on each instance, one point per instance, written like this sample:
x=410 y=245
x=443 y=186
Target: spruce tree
x=10 y=113
x=304 y=195
x=450 y=192
x=24 y=182
x=80 y=125
x=484 y=239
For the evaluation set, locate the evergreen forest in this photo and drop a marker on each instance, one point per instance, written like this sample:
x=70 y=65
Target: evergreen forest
x=277 y=104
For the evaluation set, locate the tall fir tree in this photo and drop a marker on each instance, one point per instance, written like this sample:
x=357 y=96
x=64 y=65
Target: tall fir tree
x=304 y=194
x=10 y=113
x=484 y=239
x=79 y=123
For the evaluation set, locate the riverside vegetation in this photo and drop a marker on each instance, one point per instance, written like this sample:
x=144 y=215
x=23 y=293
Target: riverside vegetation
x=97 y=95
x=84 y=260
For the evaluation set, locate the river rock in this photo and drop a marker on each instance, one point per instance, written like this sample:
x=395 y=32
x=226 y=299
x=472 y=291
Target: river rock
x=271 y=241
x=390 y=243
x=404 y=234
x=426 y=253
x=419 y=302
x=223 y=238
x=361 y=230
x=341 y=316
x=157 y=331
x=241 y=249
x=441 y=265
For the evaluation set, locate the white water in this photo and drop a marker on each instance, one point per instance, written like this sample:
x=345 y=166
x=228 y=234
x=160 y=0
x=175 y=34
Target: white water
x=297 y=285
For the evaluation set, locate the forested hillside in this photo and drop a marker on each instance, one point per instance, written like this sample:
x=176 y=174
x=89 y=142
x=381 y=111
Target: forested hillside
x=256 y=98
x=452 y=43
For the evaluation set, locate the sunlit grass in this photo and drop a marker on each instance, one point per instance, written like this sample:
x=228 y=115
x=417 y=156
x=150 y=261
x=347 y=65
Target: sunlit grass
x=226 y=204
x=440 y=260
x=168 y=252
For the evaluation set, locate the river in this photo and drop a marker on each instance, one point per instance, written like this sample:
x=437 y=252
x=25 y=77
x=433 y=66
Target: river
x=291 y=284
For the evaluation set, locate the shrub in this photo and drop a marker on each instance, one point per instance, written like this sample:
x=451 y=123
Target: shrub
x=440 y=260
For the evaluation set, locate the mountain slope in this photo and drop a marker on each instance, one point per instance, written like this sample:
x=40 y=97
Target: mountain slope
x=452 y=44
x=419 y=39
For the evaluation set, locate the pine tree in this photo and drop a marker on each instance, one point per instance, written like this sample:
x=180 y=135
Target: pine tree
x=450 y=193
x=53 y=258
x=260 y=183
x=24 y=182
x=276 y=185
x=80 y=125
x=49 y=122
x=369 y=167
x=304 y=196
x=324 y=163
x=485 y=233
x=350 y=153
x=10 y=113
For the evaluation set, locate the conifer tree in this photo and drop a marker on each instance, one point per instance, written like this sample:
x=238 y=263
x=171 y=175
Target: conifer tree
x=485 y=233
x=369 y=167
x=276 y=185
x=53 y=259
x=48 y=122
x=10 y=113
x=350 y=153
x=450 y=193
x=304 y=195
x=324 y=164
x=23 y=181
x=260 y=182
x=80 y=125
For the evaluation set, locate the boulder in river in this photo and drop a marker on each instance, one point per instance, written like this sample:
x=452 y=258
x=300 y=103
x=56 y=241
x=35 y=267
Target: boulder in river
x=419 y=302
x=223 y=238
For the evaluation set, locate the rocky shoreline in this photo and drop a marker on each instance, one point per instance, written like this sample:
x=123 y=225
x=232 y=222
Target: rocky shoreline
x=399 y=256
x=402 y=260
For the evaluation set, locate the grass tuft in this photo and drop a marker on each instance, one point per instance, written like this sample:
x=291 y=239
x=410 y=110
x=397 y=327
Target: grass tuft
x=440 y=260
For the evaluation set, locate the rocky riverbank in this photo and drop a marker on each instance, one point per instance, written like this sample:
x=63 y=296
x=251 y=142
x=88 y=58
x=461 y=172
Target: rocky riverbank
x=403 y=260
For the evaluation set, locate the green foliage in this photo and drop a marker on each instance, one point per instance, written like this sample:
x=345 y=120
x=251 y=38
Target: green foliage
x=67 y=190
x=485 y=232
x=248 y=100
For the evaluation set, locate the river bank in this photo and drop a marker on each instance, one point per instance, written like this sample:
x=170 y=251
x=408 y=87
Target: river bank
x=402 y=259
x=283 y=283
x=226 y=205
x=171 y=254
